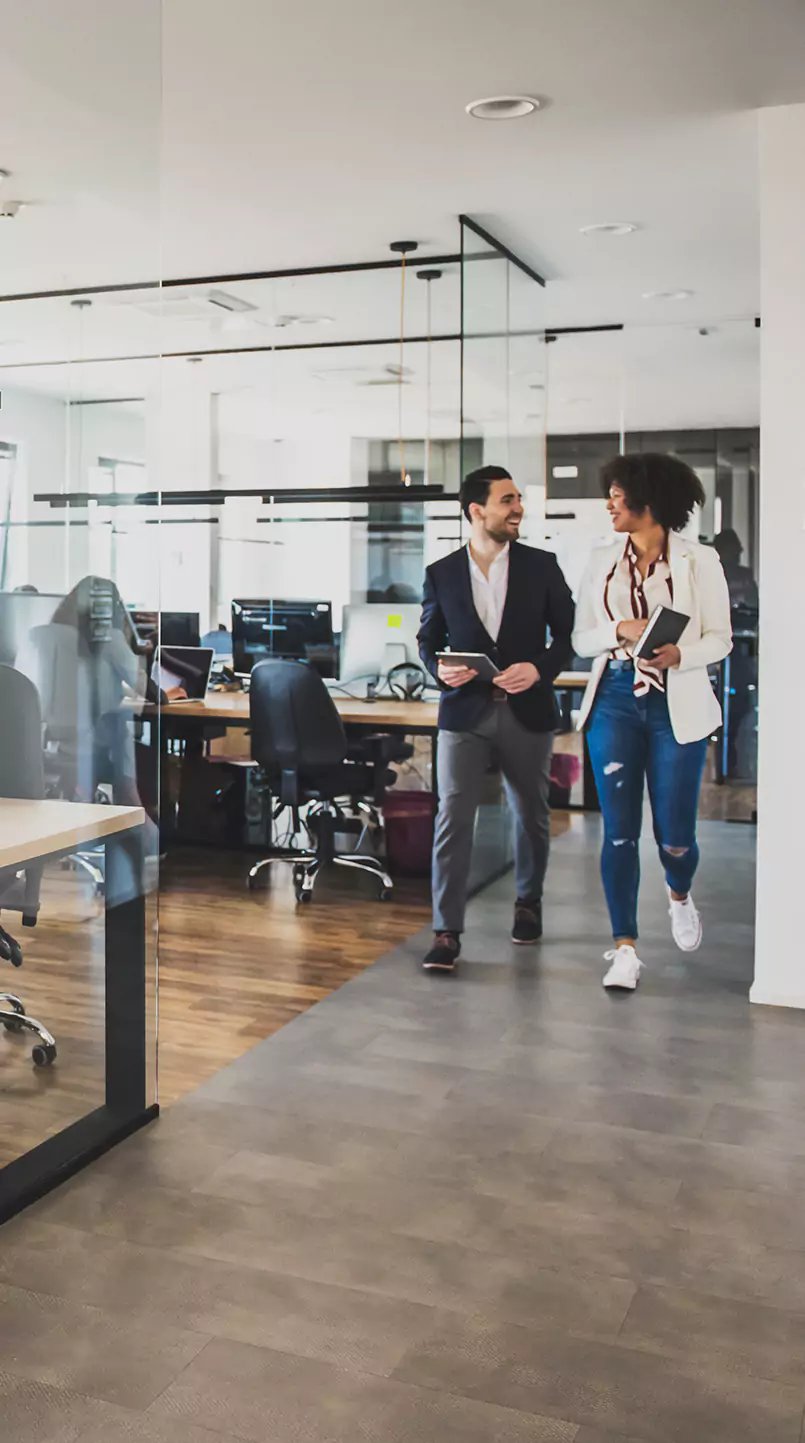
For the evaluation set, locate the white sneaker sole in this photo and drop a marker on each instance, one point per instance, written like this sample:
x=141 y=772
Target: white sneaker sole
x=620 y=986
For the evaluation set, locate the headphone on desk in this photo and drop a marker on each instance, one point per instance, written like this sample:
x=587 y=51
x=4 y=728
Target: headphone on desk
x=406 y=681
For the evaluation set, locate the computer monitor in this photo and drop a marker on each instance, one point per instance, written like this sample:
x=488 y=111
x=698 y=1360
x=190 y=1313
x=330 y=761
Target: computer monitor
x=290 y=630
x=179 y=628
x=20 y=612
x=376 y=637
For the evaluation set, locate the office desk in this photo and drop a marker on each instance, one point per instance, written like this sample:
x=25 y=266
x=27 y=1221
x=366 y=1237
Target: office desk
x=410 y=718
x=41 y=831
x=415 y=717
x=232 y=709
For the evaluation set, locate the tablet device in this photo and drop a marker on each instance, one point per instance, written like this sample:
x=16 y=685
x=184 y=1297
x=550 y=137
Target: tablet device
x=476 y=660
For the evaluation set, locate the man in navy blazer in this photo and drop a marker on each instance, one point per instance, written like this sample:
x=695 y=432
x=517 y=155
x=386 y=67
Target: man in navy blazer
x=512 y=603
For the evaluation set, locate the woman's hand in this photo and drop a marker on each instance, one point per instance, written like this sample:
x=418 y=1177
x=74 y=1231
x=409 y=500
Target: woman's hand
x=519 y=677
x=631 y=630
x=666 y=656
x=176 y=693
x=455 y=675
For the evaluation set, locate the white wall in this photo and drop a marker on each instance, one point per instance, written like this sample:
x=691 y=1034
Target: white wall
x=780 y=952
x=58 y=445
x=308 y=559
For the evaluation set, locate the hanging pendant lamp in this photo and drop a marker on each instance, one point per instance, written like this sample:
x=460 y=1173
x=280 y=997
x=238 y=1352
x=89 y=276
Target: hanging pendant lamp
x=402 y=248
x=429 y=276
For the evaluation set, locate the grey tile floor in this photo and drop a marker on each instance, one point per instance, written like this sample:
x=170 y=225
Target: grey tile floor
x=497 y=1208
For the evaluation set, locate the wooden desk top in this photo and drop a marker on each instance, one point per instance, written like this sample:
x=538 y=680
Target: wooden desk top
x=35 y=829
x=232 y=707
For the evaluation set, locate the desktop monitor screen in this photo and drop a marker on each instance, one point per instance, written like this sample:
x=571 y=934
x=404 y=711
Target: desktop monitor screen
x=179 y=628
x=290 y=630
x=376 y=637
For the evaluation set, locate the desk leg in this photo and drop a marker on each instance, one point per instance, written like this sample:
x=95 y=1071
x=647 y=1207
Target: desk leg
x=125 y=975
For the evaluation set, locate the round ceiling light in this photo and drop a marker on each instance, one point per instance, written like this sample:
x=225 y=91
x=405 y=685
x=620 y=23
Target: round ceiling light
x=680 y=295
x=610 y=227
x=505 y=107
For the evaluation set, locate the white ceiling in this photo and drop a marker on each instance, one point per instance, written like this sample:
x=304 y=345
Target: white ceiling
x=208 y=138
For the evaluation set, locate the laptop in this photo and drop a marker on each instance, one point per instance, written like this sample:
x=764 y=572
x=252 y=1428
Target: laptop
x=185 y=666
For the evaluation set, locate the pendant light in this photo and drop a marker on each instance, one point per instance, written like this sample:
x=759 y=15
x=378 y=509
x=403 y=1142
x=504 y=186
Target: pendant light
x=429 y=276
x=402 y=248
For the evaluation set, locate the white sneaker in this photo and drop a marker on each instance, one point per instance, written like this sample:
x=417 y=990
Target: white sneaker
x=686 y=924
x=625 y=969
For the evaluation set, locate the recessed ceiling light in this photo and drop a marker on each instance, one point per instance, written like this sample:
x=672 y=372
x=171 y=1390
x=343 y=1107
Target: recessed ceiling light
x=667 y=295
x=610 y=227
x=4 y=175
x=505 y=107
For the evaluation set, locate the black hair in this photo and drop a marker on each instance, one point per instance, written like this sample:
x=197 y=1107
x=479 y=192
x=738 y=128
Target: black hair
x=729 y=546
x=652 y=481
x=475 y=487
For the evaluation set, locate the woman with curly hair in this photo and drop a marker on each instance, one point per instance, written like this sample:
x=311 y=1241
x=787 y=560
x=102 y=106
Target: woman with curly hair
x=649 y=719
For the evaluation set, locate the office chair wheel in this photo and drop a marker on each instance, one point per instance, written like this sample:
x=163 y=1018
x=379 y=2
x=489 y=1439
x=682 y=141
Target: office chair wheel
x=43 y=1054
x=16 y=1006
x=10 y=948
x=385 y=894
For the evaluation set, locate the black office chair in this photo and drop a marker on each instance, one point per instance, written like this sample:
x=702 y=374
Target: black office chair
x=299 y=744
x=21 y=776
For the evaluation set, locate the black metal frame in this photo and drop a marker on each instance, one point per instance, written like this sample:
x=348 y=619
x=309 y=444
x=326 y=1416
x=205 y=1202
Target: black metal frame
x=126 y=1107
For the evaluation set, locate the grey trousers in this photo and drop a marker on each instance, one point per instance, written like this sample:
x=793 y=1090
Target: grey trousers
x=464 y=758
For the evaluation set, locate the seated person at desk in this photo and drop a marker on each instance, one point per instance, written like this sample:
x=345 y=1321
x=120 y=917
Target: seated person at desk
x=220 y=640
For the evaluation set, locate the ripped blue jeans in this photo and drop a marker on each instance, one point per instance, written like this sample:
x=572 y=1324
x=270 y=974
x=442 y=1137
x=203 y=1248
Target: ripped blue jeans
x=630 y=738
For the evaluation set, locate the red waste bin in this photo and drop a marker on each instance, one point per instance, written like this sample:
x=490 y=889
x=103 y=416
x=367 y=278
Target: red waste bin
x=409 y=832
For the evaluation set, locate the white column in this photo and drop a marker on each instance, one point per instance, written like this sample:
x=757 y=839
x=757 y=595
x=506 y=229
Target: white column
x=780 y=948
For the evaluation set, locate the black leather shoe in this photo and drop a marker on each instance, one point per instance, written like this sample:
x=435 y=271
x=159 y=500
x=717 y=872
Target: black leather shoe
x=443 y=954
x=527 y=926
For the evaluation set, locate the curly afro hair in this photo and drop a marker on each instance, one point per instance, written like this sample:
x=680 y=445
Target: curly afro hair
x=654 y=482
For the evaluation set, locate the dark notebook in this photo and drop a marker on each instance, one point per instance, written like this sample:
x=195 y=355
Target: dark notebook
x=664 y=629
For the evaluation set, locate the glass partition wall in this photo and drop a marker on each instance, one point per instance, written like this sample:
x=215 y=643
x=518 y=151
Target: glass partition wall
x=300 y=439
x=79 y=791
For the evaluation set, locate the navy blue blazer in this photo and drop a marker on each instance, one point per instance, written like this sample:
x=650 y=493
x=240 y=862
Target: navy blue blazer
x=538 y=606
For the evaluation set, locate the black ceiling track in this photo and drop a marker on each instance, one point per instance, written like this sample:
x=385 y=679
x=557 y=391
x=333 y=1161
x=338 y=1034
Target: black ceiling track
x=548 y=332
x=216 y=496
x=490 y=240
x=230 y=278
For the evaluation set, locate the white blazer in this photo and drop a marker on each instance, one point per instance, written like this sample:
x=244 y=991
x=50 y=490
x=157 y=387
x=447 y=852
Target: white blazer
x=700 y=590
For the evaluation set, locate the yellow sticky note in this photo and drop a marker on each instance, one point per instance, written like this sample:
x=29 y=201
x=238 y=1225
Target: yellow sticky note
x=395 y=620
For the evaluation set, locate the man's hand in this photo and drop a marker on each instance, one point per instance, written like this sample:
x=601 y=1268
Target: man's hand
x=666 y=656
x=520 y=677
x=176 y=693
x=631 y=630
x=455 y=675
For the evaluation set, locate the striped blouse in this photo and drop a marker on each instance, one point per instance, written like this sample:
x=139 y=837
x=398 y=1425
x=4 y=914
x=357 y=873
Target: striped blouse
x=627 y=595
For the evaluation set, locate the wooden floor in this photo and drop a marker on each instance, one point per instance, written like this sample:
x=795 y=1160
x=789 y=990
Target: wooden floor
x=234 y=967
